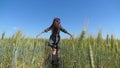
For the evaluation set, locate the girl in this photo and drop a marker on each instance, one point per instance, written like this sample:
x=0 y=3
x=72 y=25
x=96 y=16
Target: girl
x=55 y=36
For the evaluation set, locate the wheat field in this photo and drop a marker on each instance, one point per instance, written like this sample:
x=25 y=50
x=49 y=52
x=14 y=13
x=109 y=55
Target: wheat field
x=19 y=51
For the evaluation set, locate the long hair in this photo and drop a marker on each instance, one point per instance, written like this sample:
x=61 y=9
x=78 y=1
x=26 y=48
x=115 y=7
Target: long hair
x=56 y=25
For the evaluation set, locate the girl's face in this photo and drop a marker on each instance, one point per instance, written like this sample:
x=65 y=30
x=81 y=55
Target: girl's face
x=57 y=23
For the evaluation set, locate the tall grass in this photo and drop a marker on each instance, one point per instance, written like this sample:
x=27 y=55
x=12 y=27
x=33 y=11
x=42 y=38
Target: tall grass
x=82 y=52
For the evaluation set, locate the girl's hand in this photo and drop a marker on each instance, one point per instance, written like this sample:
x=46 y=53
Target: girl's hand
x=39 y=34
x=72 y=36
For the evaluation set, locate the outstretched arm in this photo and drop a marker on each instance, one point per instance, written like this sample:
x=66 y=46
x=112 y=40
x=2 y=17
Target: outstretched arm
x=39 y=34
x=70 y=34
x=65 y=31
x=46 y=30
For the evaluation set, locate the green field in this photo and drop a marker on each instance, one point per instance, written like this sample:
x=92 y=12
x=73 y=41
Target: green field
x=82 y=52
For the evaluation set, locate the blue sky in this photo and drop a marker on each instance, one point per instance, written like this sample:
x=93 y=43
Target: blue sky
x=33 y=16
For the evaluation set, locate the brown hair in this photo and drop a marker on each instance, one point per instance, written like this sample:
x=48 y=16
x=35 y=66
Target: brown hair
x=55 y=25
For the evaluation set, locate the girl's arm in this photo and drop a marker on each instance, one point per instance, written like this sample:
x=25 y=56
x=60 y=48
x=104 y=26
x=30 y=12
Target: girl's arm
x=39 y=34
x=46 y=30
x=70 y=34
x=65 y=31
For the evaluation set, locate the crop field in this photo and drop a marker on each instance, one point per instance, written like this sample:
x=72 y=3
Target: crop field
x=82 y=52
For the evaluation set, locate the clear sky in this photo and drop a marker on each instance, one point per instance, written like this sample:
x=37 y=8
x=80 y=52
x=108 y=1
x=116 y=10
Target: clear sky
x=33 y=16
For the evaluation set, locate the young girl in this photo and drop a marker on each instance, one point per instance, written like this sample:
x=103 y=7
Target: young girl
x=55 y=36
